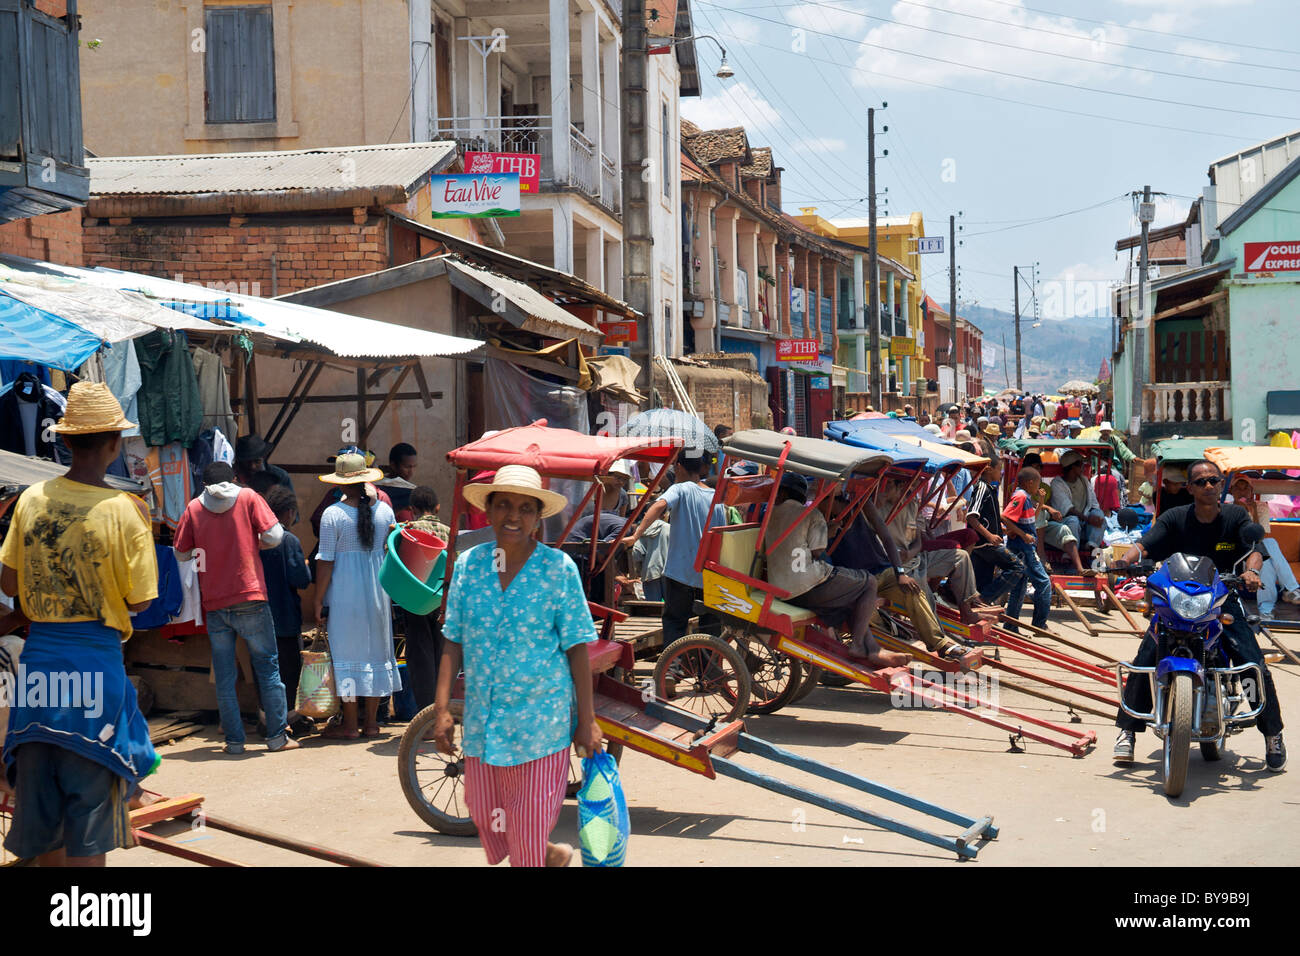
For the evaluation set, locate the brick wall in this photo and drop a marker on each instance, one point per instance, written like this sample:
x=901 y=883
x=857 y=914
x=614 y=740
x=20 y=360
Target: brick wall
x=306 y=254
x=56 y=237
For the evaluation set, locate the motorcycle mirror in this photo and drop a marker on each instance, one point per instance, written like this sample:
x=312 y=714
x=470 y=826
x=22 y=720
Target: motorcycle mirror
x=1252 y=534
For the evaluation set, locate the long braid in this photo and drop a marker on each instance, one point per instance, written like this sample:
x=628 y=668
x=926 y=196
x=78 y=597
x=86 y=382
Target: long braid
x=365 y=518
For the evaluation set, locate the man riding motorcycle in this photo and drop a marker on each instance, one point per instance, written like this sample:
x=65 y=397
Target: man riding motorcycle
x=1210 y=529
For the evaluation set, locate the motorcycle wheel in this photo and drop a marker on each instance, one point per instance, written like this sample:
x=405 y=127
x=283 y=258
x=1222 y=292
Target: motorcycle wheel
x=1178 y=739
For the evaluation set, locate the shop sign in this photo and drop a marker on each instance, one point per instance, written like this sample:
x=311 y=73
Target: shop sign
x=527 y=165
x=1272 y=256
x=796 y=350
x=819 y=381
x=485 y=196
x=819 y=365
x=929 y=244
x=616 y=332
x=899 y=346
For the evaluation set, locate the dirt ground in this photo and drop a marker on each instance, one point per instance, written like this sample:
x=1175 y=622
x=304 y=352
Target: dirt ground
x=1052 y=808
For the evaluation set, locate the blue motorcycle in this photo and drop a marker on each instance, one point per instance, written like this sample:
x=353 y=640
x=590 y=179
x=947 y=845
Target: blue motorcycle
x=1197 y=696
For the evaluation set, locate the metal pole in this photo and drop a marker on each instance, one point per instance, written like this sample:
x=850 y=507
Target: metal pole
x=636 y=190
x=873 y=297
x=952 y=300
x=1015 y=278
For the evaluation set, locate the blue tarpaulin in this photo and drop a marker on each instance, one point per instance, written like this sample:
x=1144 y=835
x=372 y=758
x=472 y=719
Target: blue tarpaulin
x=34 y=335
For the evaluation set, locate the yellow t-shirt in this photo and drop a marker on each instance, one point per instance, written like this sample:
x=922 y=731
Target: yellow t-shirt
x=82 y=553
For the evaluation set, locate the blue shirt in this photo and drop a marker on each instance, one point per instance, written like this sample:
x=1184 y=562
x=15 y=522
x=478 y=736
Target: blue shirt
x=520 y=703
x=688 y=509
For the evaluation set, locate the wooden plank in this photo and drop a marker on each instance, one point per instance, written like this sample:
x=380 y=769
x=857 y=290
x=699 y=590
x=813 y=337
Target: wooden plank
x=383 y=406
x=425 y=395
x=1191 y=306
x=1069 y=601
x=166 y=809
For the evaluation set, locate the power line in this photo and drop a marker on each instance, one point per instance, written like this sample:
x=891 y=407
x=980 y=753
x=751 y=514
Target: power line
x=1042 y=219
x=1032 y=79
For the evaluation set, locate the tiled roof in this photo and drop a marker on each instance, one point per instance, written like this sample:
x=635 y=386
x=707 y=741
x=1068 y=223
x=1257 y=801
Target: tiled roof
x=689 y=128
x=717 y=145
x=761 y=167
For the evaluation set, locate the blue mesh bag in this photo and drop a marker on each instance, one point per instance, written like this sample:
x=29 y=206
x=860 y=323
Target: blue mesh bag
x=603 y=825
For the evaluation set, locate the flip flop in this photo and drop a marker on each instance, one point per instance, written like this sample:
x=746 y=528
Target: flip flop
x=336 y=732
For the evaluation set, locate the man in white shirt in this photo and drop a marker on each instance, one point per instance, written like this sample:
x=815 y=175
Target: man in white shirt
x=798 y=564
x=1072 y=495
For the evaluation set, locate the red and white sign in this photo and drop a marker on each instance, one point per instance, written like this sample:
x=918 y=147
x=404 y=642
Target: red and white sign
x=527 y=165
x=796 y=350
x=616 y=332
x=1272 y=256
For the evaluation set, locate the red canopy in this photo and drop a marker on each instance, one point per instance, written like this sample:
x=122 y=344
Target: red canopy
x=559 y=452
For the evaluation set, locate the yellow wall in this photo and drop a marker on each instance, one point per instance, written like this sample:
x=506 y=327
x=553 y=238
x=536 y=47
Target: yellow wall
x=349 y=75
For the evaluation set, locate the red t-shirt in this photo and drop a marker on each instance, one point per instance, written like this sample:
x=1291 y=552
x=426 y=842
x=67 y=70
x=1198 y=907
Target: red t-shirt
x=231 y=569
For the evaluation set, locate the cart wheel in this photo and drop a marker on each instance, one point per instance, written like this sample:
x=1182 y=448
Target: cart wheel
x=832 y=679
x=434 y=784
x=615 y=748
x=812 y=677
x=704 y=675
x=774 y=677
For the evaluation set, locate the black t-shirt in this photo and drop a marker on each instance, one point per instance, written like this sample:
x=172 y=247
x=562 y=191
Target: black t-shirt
x=1175 y=499
x=1179 y=530
x=984 y=506
x=861 y=549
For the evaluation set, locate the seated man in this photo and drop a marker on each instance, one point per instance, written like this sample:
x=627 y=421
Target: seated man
x=1075 y=499
x=798 y=564
x=1049 y=530
x=868 y=545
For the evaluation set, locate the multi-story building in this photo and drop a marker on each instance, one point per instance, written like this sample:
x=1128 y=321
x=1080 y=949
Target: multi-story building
x=960 y=380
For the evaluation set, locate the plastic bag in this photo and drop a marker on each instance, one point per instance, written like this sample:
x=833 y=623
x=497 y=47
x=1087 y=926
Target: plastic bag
x=603 y=824
x=317 y=696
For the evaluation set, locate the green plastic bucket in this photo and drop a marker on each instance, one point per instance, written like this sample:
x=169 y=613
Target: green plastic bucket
x=407 y=591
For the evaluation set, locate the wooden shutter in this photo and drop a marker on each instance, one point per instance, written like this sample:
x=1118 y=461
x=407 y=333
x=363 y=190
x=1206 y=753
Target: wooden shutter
x=240 y=67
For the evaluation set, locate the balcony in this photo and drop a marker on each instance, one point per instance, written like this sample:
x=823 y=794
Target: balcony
x=1196 y=407
x=591 y=172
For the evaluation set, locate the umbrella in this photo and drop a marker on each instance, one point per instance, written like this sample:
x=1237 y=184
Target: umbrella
x=1078 y=387
x=671 y=423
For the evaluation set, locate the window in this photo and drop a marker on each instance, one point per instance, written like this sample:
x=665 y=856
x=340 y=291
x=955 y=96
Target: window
x=667 y=155
x=239 y=65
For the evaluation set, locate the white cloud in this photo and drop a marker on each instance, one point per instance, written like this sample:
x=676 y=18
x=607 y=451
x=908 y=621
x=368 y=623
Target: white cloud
x=735 y=104
x=841 y=20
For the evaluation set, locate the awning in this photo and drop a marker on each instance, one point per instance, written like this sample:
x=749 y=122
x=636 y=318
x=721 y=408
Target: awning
x=34 y=335
x=19 y=471
x=521 y=306
x=1283 y=410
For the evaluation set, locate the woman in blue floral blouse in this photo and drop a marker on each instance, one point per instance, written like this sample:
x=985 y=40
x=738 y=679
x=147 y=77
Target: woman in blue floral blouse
x=516 y=621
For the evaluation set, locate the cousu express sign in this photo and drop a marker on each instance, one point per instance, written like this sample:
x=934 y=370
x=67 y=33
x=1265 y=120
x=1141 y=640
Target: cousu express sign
x=1272 y=256
x=483 y=196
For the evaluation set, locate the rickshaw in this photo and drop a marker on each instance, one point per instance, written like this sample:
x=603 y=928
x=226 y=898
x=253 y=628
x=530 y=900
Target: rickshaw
x=1180 y=452
x=756 y=613
x=707 y=670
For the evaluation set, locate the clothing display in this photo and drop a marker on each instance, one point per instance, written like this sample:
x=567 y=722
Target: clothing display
x=26 y=414
x=169 y=476
x=191 y=609
x=214 y=391
x=122 y=376
x=211 y=445
x=170 y=593
x=169 y=404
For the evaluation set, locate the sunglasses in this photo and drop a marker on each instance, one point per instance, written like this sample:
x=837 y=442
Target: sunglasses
x=1210 y=481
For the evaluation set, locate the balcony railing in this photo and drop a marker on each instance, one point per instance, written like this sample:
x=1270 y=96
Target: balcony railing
x=609 y=183
x=583 y=163
x=1187 y=402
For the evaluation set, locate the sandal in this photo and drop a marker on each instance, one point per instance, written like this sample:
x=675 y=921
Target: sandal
x=336 y=732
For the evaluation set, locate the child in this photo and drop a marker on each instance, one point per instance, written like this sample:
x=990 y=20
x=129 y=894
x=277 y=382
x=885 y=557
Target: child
x=424 y=631
x=286 y=571
x=997 y=570
x=1019 y=519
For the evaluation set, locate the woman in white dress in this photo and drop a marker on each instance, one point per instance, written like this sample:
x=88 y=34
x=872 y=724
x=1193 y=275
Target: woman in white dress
x=360 y=627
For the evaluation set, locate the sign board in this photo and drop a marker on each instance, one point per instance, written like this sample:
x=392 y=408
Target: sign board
x=796 y=350
x=615 y=350
x=1272 y=256
x=617 y=332
x=527 y=165
x=819 y=381
x=485 y=196
x=989 y=355
x=819 y=365
x=1134 y=425
x=899 y=346
x=930 y=244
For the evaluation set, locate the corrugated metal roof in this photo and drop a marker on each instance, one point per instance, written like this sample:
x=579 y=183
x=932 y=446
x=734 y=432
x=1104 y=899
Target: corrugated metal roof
x=539 y=314
x=22 y=202
x=399 y=165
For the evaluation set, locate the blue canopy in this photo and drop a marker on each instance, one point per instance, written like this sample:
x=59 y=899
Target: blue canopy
x=897 y=427
x=34 y=335
x=861 y=434
x=225 y=309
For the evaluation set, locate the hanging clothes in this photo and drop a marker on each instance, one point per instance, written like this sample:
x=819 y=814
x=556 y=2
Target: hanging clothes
x=171 y=595
x=214 y=391
x=26 y=414
x=191 y=608
x=122 y=376
x=210 y=446
x=169 y=474
x=10 y=369
x=169 y=404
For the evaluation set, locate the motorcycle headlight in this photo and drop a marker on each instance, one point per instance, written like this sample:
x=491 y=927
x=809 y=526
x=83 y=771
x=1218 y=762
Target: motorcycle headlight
x=1190 y=606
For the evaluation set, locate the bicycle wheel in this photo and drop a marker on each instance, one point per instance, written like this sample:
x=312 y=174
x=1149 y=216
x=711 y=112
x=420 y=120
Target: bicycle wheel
x=705 y=675
x=433 y=783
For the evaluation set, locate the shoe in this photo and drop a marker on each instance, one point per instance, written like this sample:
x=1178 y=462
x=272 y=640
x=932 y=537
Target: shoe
x=1291 y=597
x=1124 y=744
x=283 y=742
x=235 y=749
x=1275 y=753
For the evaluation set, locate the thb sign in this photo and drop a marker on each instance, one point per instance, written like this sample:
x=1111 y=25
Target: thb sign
x=527 y=165
x=796 y=350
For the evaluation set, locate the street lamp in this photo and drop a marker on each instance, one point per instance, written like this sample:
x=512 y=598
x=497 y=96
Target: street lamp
x=725 y=72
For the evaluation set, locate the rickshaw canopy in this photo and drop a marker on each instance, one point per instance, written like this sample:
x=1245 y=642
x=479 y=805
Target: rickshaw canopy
x=559 y=452
x=910 y=433
x=1185 y=449
x=1023 y=446
x=811 y=457
x=1233 y=459
x=935 y=457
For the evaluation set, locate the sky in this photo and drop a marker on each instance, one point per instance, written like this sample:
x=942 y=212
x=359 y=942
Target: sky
x=1033 y=119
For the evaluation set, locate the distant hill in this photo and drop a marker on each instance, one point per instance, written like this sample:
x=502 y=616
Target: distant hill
x=1052 y=354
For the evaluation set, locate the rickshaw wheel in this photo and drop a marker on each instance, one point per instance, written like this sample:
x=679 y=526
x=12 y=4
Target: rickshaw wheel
x=704 y=675
x=433 y=783
x=812 y=677
x=775 y=678
x=615 y=749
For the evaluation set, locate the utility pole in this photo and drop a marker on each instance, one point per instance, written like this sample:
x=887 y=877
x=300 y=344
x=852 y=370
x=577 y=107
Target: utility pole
x=637 y=239
x=1146 y=213
x=1015 y=278
x=873 y=266
x=952 y=298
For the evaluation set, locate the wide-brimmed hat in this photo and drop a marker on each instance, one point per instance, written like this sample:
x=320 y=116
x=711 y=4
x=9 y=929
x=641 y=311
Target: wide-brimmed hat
x=934 y=429
x=92 y=408
x=796 y=484
x=516 y=480
x=961 y=435
x=1070 y=458
x=351 y=470
x=1106 y=427
x=993 y=429
x=251 y=447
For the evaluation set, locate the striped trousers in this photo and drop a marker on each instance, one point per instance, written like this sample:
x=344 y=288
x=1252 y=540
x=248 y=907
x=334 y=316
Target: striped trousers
x=516 y=808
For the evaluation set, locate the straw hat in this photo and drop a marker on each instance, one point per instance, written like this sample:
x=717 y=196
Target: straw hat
x=993 y=430
x=1070 y=458
x=351 y=470
x=517 y=480
x=962 y=435
x=92 y=408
